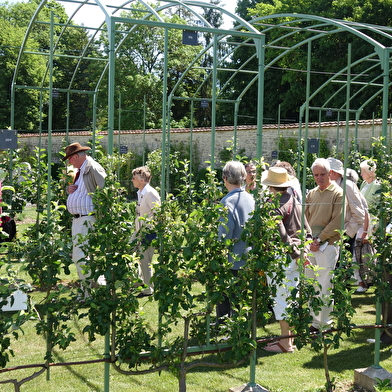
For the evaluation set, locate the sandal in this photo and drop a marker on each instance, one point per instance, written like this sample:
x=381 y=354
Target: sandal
x=277 y=348
x=276 y=342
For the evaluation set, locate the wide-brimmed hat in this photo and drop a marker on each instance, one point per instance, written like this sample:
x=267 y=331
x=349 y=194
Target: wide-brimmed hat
x=336 y=165
x=276 y=177
x=73 y=149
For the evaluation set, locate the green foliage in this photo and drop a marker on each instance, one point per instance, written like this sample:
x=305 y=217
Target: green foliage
x=230 y=153
x=10 y=322
x=47 y=249
x=190 y=253
x=30 y=112
x=382 y=239
x=290 y=151
x=178 y=157
x=286 y=77
x=383 y=385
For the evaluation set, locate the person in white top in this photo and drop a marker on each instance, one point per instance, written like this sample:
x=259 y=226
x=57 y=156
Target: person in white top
x=90 y=175
x=355 y=214
x=148 y=199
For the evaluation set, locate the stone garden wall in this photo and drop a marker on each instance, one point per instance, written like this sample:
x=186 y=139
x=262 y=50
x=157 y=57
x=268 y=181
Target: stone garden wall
x=333 y=132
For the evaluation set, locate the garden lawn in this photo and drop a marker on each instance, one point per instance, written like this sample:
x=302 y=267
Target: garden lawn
x=301 y=371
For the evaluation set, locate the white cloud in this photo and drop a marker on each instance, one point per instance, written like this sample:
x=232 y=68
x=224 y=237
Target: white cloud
x=91 y=15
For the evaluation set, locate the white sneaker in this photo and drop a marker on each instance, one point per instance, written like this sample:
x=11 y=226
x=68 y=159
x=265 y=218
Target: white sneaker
x=361 y=289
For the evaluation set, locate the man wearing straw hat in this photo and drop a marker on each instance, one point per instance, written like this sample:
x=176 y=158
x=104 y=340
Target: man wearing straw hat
x=324 y=209
x=90 y=175
x=290 y=209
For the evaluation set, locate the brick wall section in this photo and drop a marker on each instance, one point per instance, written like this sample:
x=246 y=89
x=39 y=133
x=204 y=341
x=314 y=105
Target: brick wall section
x=333 y=132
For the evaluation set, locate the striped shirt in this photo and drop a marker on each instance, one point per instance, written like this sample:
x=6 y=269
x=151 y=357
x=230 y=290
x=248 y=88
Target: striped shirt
x=80 y=202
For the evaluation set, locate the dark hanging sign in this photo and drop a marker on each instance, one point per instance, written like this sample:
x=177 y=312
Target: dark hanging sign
x=204 y=103
x=274 y=154
x=189 y=37
x=123 y=149
x=329 y=113
x=313 y=146
x=8 y=140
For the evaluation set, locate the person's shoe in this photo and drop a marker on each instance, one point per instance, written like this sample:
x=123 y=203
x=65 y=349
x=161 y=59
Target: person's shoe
x=142 y=295
x=361 y=289
x=277 y=348
x=276 y=341
x=313 y=329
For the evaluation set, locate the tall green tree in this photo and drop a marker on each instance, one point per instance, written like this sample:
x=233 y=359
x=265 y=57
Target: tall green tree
x=33 y=71
x=140 y=72
x=285 y=80
x=13 y=22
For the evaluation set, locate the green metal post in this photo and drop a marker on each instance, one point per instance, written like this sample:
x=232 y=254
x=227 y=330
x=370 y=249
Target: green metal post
x=68 y=114
x=308 y=69
x=253 y=357
x=319 y=131
x=236 y=111
x=111 y=81
x=119 y=120
x=337 y=132
x=385 y=98
x=384 y=128
x=213 y=103
x=260 y=95
x=278 y=129
x=348 y=95
x=12 y=119
x=94 y=124
x=191 y=144
x=260 y=49
x=106 y=386
x=299 y=159
x=50 y=114
x=389 y=130
x=144 y=128
x=164 y=115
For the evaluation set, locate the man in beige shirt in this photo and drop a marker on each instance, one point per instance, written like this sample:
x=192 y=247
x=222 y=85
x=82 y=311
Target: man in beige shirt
x=324 y=208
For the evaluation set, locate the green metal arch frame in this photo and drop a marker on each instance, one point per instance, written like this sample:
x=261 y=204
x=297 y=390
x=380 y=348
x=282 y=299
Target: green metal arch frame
x=255 y=30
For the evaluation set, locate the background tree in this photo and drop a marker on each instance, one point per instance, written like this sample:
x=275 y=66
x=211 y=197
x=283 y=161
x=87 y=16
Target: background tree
x=285 y=81
x=13 y=22
x=139 y=72
x=14 y=19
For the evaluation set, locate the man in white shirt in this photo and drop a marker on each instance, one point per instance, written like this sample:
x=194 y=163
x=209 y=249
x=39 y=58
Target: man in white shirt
x=90 y=175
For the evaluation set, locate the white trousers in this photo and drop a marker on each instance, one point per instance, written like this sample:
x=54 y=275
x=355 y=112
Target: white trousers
x=79 y=227
x=283 y=290
x=326 y=260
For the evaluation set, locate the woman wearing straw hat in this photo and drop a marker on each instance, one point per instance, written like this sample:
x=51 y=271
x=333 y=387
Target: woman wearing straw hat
x=278 y=181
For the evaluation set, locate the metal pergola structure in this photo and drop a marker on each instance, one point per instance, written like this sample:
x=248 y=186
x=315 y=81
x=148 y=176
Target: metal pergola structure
x=272 y=38
x=110 y=18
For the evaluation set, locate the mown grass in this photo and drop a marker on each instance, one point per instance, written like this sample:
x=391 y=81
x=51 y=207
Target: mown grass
x=302 y=371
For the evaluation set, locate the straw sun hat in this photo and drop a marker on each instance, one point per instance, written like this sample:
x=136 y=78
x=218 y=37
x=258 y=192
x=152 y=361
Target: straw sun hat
x=276 y=177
